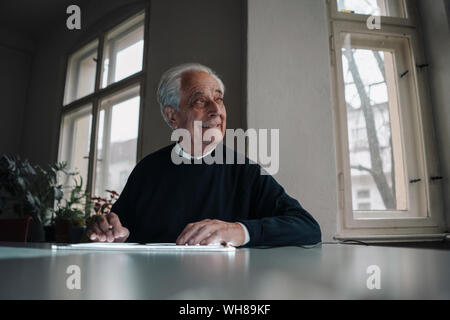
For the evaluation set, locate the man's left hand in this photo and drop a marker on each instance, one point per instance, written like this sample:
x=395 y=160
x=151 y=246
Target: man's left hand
x=212 y=232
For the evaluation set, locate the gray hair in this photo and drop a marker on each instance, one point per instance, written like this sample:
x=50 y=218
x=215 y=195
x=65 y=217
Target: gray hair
x=169 y=87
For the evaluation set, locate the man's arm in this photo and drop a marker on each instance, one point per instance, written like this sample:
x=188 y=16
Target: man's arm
x=276 y=219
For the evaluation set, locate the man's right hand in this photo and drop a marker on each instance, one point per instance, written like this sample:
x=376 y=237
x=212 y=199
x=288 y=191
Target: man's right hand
x=107 y=228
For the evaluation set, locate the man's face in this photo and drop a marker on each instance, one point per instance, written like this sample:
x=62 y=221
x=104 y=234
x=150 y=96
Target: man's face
x=201 y=100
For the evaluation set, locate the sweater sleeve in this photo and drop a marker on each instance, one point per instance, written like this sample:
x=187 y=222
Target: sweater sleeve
x=276 y=219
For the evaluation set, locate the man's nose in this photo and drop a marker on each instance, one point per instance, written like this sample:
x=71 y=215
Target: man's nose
x=213 y=109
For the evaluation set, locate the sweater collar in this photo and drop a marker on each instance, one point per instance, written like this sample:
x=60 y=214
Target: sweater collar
x=179 y=151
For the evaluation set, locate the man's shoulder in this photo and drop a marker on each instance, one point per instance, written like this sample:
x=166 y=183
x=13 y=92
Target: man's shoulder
x=163 y=152
x=240 y=160
x=158 y=157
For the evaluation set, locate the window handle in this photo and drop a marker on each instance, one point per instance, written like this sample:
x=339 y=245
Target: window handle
x=415 y=180
x=87 y=157
x=436 y=178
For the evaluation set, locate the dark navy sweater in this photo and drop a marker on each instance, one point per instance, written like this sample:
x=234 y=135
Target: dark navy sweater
x=160 y=198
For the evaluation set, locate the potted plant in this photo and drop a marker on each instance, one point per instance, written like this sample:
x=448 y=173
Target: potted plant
x=61 y=209
x=27 y=190
x=71 y=212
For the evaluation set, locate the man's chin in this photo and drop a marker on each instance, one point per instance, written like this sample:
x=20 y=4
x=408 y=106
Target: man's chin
x=212 y=136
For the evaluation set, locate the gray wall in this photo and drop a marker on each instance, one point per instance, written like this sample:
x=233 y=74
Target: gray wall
x=436 y=31
x=204 y=31
x=178 y=35
x=15 y=67
x=289 y=89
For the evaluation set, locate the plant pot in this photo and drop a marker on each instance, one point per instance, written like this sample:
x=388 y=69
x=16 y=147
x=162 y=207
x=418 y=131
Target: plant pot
x=76 y=233
x=66 y=232
x=49 y=233
x=36 y=232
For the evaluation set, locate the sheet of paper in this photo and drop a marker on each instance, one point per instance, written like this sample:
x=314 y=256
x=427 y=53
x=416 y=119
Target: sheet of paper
x=142 y=247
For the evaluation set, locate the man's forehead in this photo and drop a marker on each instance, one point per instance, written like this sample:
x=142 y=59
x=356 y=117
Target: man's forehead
x=199 y=81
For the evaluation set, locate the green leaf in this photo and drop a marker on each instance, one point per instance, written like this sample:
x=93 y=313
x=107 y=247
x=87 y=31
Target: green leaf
x=21 y=182
x=58 y=194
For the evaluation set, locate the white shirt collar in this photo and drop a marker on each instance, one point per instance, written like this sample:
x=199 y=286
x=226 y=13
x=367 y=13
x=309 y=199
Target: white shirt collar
x=179 y=151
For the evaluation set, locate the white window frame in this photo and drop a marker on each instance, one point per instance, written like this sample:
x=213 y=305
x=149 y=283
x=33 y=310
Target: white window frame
x=100 y=93
x=431 y=221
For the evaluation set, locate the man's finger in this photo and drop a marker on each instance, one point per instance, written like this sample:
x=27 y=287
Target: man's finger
x=214 y=238
x=189 y=230
x=117 y=230
x=91 y=234
x=187 y=233
x=180 y=237
x=99 y=235
x=103 y=224
x=110 y=236
x=202 y=233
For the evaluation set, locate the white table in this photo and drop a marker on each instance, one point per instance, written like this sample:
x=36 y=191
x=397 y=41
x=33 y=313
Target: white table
x=330 y=271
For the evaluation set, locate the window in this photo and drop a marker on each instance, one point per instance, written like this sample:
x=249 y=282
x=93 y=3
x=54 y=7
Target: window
x=390 y=8
x=102 y=106
x=363 y=206
x=75 y=140
x=80 y=80
x=382 y=116
x=123 y=51
x=363 y=194
x=117 y=139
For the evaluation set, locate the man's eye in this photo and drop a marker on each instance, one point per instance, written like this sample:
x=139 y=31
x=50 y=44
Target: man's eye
x=199 y=101
x=219 y=99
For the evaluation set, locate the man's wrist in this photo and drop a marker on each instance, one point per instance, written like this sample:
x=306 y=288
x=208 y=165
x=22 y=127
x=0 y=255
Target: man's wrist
x=247 y=235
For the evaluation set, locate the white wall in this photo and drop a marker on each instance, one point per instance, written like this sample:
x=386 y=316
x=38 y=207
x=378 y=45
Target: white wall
x=436 y=30
x=289 y=88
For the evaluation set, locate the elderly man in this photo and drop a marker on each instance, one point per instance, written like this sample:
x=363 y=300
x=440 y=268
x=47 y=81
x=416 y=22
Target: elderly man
x=191 y=203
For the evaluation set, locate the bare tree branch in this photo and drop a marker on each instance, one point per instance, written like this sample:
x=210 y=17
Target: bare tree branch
x=377 y=171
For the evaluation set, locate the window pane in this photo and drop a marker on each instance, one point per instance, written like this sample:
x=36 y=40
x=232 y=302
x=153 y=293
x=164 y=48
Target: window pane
x=390 y=8
x=117 y=140
x=375 y=146
x=75 y=141
x=81 y=68
x=123 y=52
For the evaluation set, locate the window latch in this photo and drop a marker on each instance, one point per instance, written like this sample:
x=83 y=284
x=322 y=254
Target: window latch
x=420 y=66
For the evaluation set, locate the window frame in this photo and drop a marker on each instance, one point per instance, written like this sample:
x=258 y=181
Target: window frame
x=95 y=98
x=432 y=221
x=410 y=20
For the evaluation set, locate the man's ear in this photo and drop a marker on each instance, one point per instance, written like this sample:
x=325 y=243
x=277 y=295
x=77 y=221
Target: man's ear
x=171 y=115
